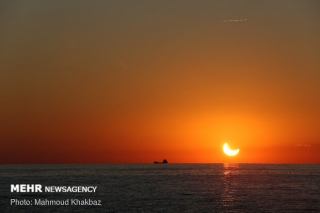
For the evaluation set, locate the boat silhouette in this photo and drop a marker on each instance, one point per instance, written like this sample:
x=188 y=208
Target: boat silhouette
x=163 y=162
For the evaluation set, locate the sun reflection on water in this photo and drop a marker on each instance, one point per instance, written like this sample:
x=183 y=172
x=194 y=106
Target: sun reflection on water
x=229 y=184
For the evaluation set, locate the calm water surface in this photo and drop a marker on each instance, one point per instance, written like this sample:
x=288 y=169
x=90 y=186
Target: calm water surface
x=173 y=187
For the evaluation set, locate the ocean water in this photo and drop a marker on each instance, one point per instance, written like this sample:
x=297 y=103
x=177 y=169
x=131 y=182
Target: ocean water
x=171 y=188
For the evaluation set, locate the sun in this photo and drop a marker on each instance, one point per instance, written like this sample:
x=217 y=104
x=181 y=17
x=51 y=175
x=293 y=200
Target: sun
x=230 y=152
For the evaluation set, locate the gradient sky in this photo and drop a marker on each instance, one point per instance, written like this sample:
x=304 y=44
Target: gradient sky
x=137 y=81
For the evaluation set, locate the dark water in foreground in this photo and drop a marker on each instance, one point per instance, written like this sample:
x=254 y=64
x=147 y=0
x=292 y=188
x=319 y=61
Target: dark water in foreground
x=172 y=188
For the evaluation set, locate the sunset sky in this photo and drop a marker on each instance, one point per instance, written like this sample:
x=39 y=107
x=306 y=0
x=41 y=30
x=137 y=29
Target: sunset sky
x=137 y=81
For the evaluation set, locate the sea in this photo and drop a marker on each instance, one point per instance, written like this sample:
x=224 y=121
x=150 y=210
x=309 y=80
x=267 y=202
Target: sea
x=169 y=187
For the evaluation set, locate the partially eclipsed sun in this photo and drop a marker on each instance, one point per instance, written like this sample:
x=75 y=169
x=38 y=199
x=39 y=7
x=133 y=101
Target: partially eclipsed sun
x=230 y=152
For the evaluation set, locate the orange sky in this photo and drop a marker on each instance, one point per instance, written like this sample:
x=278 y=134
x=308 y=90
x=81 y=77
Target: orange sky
x=134 y=82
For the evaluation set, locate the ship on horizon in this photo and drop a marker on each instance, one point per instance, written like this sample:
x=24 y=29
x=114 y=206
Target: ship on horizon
x=163 y=162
